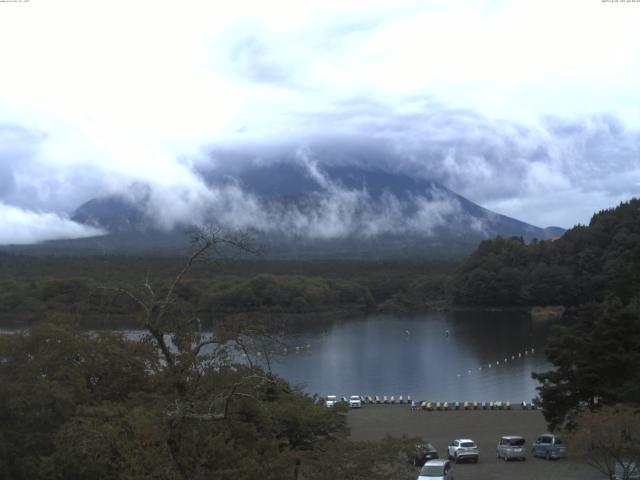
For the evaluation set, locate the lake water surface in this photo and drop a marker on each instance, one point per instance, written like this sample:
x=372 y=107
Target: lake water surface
x=414 y=355
x=437 y=356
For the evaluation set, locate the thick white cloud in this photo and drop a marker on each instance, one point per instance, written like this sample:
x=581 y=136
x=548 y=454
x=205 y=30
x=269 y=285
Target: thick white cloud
x=24 y=227
x=518 y=105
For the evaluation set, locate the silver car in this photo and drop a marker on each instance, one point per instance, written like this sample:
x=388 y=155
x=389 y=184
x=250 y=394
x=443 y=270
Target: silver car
x=549 y=446
x=511 y=447
x=626 y=471
x=436 y=470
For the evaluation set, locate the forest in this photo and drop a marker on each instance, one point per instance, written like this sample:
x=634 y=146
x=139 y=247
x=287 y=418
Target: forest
x=587 y=263
x=37 y=287
x=80 y=404
x=176 y=404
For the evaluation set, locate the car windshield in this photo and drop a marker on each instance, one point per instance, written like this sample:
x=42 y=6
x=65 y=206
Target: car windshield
x=467 y=444
x=355 y=397
x=516 y=442
x=630 y=467
x=432 y=471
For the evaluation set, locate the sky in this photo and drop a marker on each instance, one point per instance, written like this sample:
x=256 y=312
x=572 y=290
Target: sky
x=529 y=108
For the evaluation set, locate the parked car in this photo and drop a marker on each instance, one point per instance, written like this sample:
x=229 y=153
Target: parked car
x=462 y=449
x=423 y=453
x=626 y=471
x=549 y=446
x=331 y=400
x=436 y=470
x=511 y=447
x=354 y=401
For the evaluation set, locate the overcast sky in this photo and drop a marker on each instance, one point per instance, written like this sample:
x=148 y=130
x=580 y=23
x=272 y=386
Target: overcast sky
x=529 y=108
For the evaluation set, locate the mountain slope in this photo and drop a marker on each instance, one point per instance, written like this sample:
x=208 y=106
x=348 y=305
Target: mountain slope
x=304 y=210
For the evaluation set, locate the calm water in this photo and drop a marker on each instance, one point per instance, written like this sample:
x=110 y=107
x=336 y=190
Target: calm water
x=412 y=355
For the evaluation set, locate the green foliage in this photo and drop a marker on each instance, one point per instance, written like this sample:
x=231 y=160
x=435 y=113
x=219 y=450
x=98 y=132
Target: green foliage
x=82 y=406
x=270 y=293
x=287 y=288
x=597 y=356
x=586 y=264
x=47 y=373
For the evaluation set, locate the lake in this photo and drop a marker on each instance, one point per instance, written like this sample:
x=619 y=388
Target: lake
x=437 y=356
x=440 y=356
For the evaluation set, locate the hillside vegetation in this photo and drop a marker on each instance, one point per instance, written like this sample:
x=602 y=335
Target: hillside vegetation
x=586 y=264
x=35 y=288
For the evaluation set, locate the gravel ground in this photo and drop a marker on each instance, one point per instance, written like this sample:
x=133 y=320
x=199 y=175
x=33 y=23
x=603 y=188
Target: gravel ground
x=373 y=422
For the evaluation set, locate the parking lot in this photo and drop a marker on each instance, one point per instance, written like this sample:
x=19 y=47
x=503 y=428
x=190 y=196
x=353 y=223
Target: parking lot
x=373 y=422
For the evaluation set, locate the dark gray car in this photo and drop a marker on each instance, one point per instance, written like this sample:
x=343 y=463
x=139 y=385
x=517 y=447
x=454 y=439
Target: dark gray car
x=549 y=446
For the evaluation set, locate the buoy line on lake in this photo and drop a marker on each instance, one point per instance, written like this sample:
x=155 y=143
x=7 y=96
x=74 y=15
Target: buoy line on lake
x=500 y=362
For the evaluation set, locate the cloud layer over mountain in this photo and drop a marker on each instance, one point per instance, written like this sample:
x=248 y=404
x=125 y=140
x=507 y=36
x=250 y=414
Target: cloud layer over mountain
x=543 y=126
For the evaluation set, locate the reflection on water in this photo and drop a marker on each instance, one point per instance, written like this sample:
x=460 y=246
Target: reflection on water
x=440 y=356
x=413 y=355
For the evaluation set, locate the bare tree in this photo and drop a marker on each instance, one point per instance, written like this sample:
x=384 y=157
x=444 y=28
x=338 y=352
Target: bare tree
x=609 y=441
x=186 y=351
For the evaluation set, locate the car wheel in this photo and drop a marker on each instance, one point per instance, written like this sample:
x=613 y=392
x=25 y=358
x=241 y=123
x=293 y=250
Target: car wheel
x=548 y=456
x=477 y=459
x=455 y=458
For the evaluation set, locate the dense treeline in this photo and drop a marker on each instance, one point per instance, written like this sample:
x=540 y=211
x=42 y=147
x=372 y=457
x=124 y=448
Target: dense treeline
x=596 y=270
x=77 y=405
x=596 y=359
x=176 y=403
x=32 y=290
x=586 y=264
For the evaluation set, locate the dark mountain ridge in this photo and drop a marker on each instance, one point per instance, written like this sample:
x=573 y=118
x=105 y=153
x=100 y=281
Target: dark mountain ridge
x=377 y=214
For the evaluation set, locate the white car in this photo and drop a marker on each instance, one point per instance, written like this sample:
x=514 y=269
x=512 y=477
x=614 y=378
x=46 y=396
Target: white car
x=436 y=470
x=331 y=400
x=354 y=401
x=462 y=449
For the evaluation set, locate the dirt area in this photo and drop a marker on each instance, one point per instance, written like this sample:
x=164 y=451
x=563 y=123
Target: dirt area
x=373 y=422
